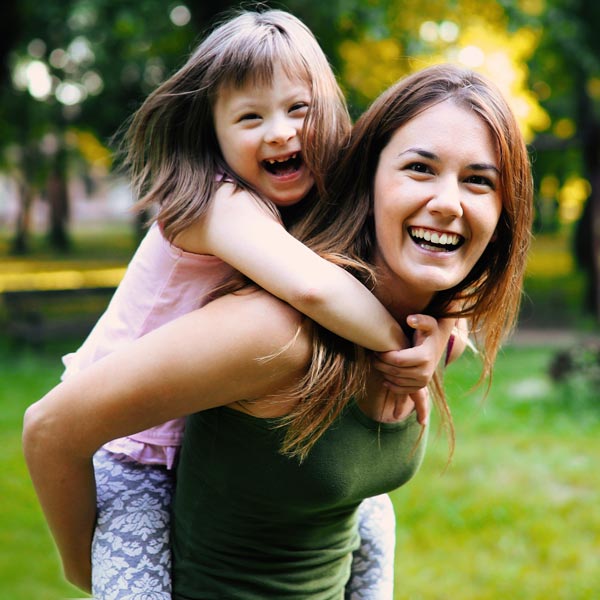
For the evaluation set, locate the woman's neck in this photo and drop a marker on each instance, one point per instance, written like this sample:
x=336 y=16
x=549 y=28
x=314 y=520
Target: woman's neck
x=400 y=300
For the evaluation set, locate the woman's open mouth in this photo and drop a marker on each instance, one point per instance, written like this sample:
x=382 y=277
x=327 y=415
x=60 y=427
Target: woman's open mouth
x=429 y=239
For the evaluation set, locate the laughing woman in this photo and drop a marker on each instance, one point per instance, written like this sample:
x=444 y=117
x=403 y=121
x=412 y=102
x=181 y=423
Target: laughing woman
x=290 y=429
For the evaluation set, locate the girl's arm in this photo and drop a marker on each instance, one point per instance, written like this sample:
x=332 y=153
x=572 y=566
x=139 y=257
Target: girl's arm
x=410 y=369
x=205 y=359
x=241 y=231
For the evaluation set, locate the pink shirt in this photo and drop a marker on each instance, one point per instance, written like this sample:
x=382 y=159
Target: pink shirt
x=162 y=282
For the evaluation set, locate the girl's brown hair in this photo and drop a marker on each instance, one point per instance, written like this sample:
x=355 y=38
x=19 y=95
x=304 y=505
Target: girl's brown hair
x=342 y=226
x=170 y=144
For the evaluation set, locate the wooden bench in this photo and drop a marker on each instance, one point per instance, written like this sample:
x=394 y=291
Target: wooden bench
x=37 y=316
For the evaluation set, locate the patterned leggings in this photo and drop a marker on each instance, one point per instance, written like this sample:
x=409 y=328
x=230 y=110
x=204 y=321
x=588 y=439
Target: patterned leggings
x=131 y=556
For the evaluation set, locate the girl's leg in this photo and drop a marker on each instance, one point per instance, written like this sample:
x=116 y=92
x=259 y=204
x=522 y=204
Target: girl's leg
x=372 y=576
x=131 y=556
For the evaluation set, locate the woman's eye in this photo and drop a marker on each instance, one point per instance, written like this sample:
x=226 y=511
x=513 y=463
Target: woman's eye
x=418 y=167
x=481 y=180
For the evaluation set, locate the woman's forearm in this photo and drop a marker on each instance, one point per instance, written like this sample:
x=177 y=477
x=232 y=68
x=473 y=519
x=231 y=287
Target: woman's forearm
x=65 y=487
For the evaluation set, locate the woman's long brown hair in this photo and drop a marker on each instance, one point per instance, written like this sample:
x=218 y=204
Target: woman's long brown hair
x=341 y=228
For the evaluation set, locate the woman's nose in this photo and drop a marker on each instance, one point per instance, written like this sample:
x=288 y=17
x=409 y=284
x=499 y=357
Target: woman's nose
x=446 y=200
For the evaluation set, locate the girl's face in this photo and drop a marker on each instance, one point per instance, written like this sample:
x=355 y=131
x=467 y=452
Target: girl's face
x=437 y=202
x=259 y=130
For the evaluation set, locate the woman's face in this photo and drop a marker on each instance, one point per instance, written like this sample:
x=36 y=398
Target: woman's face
x=436 y=201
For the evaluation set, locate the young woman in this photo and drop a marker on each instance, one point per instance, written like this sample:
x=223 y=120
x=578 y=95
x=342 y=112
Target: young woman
x=290 y=429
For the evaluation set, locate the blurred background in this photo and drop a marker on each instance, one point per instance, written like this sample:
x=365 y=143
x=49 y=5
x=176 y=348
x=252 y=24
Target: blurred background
x=515 y=513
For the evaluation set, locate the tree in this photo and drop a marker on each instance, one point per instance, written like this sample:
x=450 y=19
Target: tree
x=566 y=71
x=77 y=67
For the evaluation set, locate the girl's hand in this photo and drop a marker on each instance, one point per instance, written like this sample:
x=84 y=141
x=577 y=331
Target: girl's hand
x=409 y=370
x=420 y=400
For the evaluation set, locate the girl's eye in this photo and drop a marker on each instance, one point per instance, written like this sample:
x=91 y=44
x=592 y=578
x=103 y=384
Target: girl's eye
x=249 y=117
x=299 y=107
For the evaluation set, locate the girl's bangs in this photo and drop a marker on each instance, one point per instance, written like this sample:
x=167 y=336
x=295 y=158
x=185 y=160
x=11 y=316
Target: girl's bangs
x=255 y=64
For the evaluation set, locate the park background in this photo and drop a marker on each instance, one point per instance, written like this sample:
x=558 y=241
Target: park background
x=515 y=515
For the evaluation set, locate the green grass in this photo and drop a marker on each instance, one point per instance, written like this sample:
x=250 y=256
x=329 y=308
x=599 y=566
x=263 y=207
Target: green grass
x=29 y=567
x=514 y=516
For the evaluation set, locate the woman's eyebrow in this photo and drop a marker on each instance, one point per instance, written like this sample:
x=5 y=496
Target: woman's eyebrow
x=484 y=167
x=420 y=152
x=432 y=156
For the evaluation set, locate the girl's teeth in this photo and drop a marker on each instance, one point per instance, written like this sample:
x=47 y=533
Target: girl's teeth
x=273 y=161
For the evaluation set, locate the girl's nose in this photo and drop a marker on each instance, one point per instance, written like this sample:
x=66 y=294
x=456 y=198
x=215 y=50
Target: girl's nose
x=279 y=132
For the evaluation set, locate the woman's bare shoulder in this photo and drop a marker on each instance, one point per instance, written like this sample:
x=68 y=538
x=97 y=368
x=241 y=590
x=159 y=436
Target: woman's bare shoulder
x=268 y=324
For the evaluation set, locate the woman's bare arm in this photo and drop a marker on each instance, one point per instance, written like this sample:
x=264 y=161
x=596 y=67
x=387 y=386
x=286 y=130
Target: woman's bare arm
x=206 y=359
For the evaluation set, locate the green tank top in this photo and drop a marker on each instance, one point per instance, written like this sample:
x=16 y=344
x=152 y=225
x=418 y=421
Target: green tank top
x=251 y=524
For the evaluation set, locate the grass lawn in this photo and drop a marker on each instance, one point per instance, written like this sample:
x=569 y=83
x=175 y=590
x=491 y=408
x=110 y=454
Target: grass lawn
x=29 y=568
x=514 y=516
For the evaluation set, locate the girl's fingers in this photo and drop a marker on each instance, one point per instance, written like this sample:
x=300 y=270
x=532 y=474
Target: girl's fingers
x=424 y=326
x=405 y=390
x=405 y=359
x=421 y=400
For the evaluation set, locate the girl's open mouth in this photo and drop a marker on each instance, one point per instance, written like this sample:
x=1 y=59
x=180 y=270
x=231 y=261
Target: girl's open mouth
x=286 y=166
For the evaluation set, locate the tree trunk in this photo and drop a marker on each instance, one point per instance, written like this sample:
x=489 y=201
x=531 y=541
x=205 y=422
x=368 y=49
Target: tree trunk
x=26 y=190
x=589 y=11
x=58 y=199
x=587 y=241
x=594 y=283
x=591 y=156
x=20 y=243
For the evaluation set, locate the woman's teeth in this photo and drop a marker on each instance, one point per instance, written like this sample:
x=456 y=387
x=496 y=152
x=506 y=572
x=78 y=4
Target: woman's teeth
x=449 y=241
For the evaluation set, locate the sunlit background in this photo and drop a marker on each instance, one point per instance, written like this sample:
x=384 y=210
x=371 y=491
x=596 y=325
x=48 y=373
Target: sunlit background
x=516 y=515
x=76 y=70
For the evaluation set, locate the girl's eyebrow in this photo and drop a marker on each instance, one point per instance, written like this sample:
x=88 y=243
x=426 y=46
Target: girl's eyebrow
x=435 y=157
